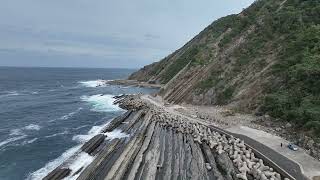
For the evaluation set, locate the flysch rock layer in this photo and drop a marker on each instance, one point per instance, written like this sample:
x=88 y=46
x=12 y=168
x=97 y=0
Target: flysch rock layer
x=163 y=146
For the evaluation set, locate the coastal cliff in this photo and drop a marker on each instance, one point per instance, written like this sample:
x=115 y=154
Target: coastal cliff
x=264 y=60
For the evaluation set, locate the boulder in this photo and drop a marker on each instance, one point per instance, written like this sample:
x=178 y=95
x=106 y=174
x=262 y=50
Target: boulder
x=288 y=125
x=310 y=143
x=267 y=117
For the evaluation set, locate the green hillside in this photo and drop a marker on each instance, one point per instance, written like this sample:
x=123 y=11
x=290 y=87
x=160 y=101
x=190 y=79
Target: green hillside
x=265 y=59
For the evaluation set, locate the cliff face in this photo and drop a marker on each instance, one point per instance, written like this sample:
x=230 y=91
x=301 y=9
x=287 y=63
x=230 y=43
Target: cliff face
x=264 y=59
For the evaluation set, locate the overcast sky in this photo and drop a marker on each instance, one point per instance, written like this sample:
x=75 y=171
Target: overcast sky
x=102 y=33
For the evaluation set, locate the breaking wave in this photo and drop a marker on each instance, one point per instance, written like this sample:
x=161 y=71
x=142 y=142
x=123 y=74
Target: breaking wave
x=116 y=134
x=50 y=166
x=34 y=127
x=19 y=134
x=29 y=141
x=57 y=134
x=82 y=160
x=65 y=117
x=9 y=93
x=9 y=140
x=91 y=133
x=101 y=103
x=95 y=83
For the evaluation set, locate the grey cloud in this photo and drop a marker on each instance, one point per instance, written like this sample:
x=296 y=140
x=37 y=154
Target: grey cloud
x=107 y=32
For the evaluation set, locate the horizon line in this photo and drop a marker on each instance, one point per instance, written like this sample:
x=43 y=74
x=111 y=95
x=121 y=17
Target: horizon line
x=68 y=67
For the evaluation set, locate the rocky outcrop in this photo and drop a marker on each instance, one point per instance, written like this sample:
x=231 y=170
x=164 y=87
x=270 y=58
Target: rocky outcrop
x=90 y=146
x=58 y=174
x=116 y=122
x=130 y=102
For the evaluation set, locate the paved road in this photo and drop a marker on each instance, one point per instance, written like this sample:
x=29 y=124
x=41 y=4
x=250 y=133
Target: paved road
x=285 y=163
x=288 y=165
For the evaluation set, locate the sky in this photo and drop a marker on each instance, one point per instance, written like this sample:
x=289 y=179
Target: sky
x=102 y=33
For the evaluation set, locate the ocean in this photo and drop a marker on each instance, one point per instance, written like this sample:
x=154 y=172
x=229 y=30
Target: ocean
x=47 y=113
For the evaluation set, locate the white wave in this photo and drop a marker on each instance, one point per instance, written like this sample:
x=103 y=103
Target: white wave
x=35 y=92
x=13 y=93
x=80 y=127
x=33 y=127
x=32 y=140
x=91 y=133
x=10 y=93
x=12 y=140
x=50 y=166
x=79 y=160
x=101 y=103
x=65 y=117
x=57 y=134
x=16 y=132
x=95 y=83
x=20 y=134
x=19 y=131
x=82 y=160
x=116 y=134
x=29 y=141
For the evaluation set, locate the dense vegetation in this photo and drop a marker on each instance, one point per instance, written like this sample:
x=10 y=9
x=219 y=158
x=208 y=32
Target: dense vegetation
x=291 y=30
x=298 y=98
x=280 y=38
x=176 y=66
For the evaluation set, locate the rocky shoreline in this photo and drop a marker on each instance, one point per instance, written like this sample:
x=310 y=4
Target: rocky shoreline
x=162 y=145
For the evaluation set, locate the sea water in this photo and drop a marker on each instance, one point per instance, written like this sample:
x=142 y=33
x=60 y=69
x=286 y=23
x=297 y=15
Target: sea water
x=46 y=114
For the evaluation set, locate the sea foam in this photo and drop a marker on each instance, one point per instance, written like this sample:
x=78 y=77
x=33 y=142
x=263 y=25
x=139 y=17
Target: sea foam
x=9 y=140
x=116 y=134
x=65 y=117
x=20 y=131
x=82 y=160
x=57 y=134
x=9 y=93
x=19 y=134
x=101 y=103
x=91 y=133
x=50 y=166
x=29 y=141
x=94 y=83
x=34 y=127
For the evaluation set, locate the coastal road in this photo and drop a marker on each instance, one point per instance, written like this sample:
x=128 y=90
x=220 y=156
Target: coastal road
x=286 y=164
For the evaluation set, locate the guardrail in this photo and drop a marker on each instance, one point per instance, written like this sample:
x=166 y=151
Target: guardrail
x=260 y=155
